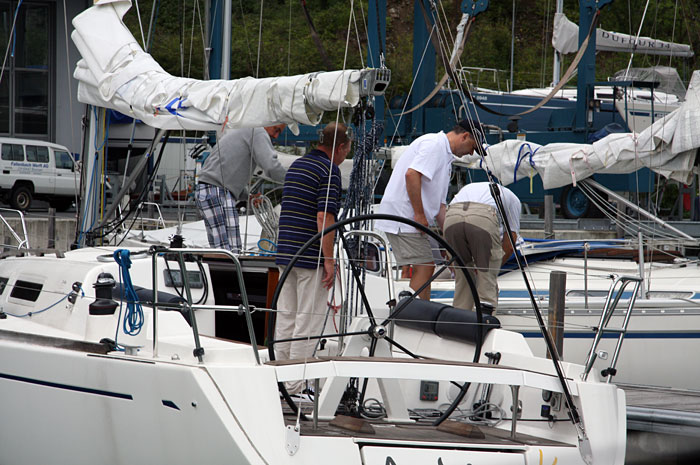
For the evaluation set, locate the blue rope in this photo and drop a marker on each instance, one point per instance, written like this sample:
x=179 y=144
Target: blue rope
x=133 y=318
x=263 y=250
x=522 y=156
x=30 y=314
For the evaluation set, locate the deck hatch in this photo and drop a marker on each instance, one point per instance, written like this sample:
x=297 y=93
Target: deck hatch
x=26 y=290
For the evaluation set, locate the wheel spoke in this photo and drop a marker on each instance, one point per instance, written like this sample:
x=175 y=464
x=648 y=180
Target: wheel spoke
x=356 y=276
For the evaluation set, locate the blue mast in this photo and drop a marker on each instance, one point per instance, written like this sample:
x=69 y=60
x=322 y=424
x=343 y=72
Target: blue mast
x=586 y=68
x=423 y=65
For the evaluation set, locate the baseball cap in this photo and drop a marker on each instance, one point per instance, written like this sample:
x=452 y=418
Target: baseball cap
x=474 y=128
x=477 y=131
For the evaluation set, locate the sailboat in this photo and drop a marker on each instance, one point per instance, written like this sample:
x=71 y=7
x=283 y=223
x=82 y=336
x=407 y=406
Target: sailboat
x=110 y=354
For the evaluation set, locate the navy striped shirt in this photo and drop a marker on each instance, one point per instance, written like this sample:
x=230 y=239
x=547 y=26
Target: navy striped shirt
x=306 y=192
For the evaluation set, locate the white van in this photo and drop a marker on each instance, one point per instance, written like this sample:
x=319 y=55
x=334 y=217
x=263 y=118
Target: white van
x=36 y=169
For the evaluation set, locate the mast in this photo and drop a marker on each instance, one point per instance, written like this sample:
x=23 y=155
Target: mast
x=556 y=68
x=586 y=68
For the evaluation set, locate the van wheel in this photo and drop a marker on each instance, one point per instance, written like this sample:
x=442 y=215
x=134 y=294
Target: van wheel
x=21 y=198
x=60 y=204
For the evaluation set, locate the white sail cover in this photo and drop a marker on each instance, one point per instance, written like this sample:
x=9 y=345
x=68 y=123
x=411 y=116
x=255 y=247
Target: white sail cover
x=116 y=73
x=667 y=147
x=565 y=40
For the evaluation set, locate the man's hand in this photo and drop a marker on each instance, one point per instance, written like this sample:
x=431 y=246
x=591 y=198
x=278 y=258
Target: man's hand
x=255 y=200
x=420 y=218
x=328 y=273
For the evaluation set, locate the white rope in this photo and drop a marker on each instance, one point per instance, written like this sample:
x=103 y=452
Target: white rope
x=138 y=15
x=639 y=32
x=257 y=66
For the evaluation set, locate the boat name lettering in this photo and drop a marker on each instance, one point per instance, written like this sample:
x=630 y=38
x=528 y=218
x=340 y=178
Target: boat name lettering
x=641 y=42
x=482 y=98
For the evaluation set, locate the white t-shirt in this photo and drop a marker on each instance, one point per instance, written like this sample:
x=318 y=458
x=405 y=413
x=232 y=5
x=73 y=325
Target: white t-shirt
x=479 y=192
x=431 y=156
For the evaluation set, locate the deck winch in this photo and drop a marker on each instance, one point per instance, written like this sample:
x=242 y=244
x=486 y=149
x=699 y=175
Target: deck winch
x=103 y=304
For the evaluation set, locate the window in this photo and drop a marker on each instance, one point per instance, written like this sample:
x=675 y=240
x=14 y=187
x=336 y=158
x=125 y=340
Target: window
x=37 y=154
x=12 y=152
x=63 y=160
x=26 y=290
x=25 y=89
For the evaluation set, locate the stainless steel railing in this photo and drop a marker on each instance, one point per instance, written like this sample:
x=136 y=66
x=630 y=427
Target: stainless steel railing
x=190 y=305
x=615 y=293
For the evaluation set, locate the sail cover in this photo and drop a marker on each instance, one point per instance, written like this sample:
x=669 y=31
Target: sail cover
x=565 y=40
x=116 y=73
x=667 y=147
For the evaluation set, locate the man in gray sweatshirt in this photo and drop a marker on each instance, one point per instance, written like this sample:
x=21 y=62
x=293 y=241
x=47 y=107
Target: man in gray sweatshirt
x=225 y=176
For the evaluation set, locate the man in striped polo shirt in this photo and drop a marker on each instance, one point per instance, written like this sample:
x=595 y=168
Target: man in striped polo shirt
x=310 y=203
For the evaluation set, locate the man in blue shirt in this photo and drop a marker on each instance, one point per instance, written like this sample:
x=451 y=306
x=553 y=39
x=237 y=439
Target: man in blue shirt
x=310 y=203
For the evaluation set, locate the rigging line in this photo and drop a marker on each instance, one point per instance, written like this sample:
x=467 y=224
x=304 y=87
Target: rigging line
x=639 y=32
x=289 y=40
x=328 y=188
x=244 y=242
x=182 y=41
x=151 y=23
x=357 y=37
x=205 y=70
x=379 y=33
x=415 y=78
x=314 y=35
x=138 y=15
x=10 y=42
x=446 y=22
x=687 y=26
x=542 y=102
x=607 y=209
x=70 y=92
x=545 y=33
x=194 y=15
x=370 y=56
x=257 y=66
x=245 y=34
x=673 y=31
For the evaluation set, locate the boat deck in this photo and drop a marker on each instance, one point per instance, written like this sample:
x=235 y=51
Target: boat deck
x=452 y=432
x=662 y=398
x=663 y=410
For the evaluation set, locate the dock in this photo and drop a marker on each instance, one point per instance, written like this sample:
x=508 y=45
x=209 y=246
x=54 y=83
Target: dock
x=663 y=425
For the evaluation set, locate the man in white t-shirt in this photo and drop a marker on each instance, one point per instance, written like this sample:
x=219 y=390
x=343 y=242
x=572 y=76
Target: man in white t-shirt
x=417 y=190
x=474 y=228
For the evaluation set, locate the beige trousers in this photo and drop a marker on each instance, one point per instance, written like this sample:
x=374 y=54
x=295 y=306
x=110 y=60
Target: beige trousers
x=302 y=307
x=472 y=231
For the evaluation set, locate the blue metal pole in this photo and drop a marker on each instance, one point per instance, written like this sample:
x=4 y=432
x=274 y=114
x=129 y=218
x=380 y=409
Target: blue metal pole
x=586 y=68
x=215 y=56
x=423 y=65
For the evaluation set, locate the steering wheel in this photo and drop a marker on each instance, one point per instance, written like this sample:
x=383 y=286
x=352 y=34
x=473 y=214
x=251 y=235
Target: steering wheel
x=377 y=328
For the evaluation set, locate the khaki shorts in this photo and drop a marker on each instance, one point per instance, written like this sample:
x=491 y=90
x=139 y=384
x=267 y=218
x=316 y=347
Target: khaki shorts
x=411 y=248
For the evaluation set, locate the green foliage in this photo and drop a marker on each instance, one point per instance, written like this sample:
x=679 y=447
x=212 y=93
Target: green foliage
x=287 y=47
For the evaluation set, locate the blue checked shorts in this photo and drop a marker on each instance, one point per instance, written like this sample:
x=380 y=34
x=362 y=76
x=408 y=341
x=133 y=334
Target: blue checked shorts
x=218 y=209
